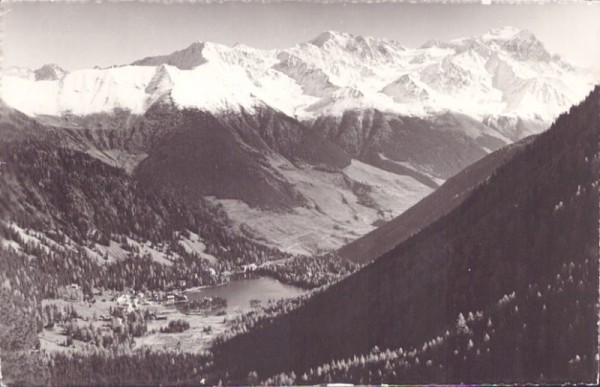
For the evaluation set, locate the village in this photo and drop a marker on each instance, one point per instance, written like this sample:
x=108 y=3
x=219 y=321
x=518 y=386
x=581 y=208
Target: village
x=158 y=319
x=179 y=318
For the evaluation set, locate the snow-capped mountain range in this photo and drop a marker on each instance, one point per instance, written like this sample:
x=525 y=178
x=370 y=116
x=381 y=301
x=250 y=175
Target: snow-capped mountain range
x=310 y=147
x=504 y=73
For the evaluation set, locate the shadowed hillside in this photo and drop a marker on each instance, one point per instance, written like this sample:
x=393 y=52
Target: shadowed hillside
x=439 y=203
x=440 y=146
x=228 y=157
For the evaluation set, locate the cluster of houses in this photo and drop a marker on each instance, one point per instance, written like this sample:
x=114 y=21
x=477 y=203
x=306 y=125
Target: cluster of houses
x=72 y=292
x=131 y=300
x=250 y=268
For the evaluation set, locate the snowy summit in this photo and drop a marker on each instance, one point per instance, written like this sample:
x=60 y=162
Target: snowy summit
x=505 y=72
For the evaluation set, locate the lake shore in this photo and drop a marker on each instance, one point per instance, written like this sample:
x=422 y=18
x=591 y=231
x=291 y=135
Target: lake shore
x=242 y=296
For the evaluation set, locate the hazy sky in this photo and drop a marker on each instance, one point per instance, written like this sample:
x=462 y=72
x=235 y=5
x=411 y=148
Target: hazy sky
x=85 y=35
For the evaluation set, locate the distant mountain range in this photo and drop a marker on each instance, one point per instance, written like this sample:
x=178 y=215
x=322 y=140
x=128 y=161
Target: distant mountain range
x=319 y=143
x=503 y=73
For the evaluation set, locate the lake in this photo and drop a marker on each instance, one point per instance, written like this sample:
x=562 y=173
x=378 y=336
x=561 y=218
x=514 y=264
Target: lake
x=239 y=292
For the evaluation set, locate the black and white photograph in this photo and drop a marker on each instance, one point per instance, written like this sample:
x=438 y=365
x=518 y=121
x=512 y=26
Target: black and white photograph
x=247 y=193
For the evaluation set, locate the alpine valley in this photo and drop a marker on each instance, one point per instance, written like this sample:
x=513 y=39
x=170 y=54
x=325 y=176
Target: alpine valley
x=318 y=144
x=380 y=187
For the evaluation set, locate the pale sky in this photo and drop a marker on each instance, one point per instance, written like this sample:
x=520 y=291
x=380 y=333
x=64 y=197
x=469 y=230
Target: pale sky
x=86 y=35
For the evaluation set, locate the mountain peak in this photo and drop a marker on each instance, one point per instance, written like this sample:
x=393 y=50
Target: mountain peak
x=331 y=36
x=433 y=43
x=522 y=44
x=185 y=59
x=49 y=72
x=504 y=33
x=358 y=45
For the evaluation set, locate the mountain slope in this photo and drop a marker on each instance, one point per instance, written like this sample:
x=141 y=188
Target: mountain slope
x=272 y=169
x=56 y=197
x=433 y=207
x=528 y=238
x=266 y=167
x=205 y=157
x=431 y=148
